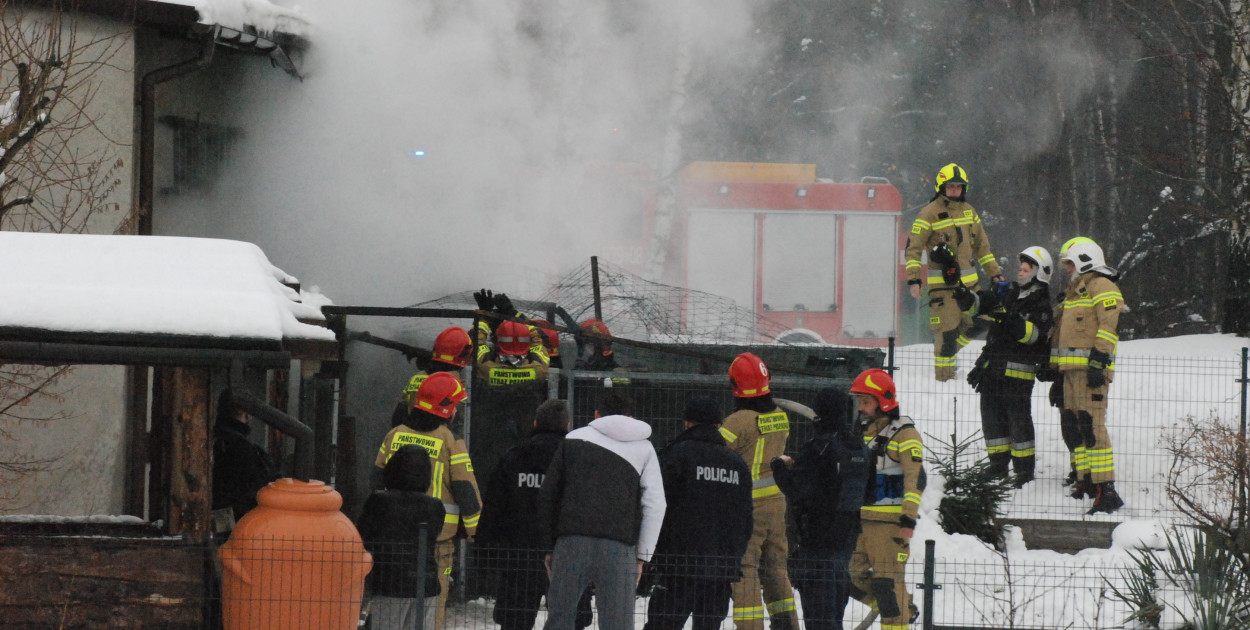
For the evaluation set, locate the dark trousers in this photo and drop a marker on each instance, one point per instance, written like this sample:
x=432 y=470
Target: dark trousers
x=677 y=597
x=824 y=585
x=1007 y=423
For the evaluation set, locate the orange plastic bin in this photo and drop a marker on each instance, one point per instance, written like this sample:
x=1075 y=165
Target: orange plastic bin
x=293 y=562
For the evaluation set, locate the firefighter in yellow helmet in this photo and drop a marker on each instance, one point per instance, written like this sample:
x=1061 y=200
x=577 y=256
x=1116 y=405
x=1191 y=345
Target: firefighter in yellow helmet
x=1083 y=349
x=879 y=564
x=757 y=431
x=452 y=479
x=949 y=224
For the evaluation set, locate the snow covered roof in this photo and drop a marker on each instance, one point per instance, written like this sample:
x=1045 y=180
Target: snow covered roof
x=262 y=15
x=151 y=291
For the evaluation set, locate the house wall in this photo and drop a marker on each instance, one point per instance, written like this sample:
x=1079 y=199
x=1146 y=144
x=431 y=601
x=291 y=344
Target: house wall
x=74 y=438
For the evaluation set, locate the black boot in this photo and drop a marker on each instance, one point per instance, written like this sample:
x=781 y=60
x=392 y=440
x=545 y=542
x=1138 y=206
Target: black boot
x=1106 y=499
x=1084 y=487
x=1071 y=477
x=1024 y=470
x=1000 y=464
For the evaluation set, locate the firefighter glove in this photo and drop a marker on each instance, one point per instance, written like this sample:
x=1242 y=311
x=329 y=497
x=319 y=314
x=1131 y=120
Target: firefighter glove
x=1098 y=363
x=485 y=301
x=907 y=526
x=1056 y=394
x=965 y=299
x=504 y=305
x=1047 y=373
x=987 y=302
x=1099 y=360
x=975 y=375
x=1095 y=378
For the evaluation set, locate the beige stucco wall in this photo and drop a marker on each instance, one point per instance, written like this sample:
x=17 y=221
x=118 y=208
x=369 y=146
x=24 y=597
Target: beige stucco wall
x=80 y=442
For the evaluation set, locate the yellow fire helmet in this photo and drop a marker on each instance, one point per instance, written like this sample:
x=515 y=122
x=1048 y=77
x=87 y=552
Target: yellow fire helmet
x=951 y=174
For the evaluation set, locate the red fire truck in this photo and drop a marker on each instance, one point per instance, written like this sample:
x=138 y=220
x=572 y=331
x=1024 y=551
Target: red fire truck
x=820 y=258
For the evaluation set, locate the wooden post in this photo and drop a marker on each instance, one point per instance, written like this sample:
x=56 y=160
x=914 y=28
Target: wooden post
x=136 y=441
x=190 y=483
x=163 y=386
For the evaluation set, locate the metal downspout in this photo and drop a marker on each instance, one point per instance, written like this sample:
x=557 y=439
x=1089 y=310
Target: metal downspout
x=147 y=120
x=138 y=377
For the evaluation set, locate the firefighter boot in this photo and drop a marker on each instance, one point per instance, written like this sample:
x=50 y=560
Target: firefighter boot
x=1024 y=467
x=1106 y=499
x=1000 y=464
x=1071 y=477
x=781 y=622
x=1084 y=487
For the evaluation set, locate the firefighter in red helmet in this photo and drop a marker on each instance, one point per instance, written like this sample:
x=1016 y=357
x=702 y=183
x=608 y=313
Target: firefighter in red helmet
x=451 y=352
x=594 y=348
x=757 y=431
x=433 y=405
x=551 y=343
x=879 y=563
x=510 y=352
x=516 y=359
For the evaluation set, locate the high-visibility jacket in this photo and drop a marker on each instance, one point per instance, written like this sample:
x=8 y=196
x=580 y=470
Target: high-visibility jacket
x=451 y=480
x=899 y=459
x=757 y=438
x=958 y=225
x=1087 y=318
x=495 y=373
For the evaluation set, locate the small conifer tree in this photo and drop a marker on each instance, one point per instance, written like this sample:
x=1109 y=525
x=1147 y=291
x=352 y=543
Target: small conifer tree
x=973 y=494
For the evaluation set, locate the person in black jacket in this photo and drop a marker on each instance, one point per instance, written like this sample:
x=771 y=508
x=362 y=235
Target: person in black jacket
x=241 y=467
x=1017 y=343
x=508 y=533
x=390 y=525
x=826 y=484
x=601 y=507
x=707 y=525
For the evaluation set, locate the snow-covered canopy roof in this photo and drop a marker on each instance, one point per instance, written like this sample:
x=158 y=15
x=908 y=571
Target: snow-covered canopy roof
x=152 y=291
x=262 y=15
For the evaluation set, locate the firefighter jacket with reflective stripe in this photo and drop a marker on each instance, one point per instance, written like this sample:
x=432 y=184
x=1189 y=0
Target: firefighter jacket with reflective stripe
x=709 y=519
x=1018 y=341
x=452 y=480
x=757 y=438
x=511 y=497
x=899 y=461
x=1088 y=318
x=493 y=371
x=958 y=225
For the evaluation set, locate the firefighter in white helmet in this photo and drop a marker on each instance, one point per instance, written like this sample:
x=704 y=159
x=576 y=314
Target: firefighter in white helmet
x=1083 y=351
x=951 y=222
x=1018 y=343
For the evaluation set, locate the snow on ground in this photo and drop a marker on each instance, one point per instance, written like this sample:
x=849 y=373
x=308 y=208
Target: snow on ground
x=1157 y=382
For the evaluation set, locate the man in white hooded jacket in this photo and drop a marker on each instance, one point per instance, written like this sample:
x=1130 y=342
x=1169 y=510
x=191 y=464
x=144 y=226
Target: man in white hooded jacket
x=601 y=505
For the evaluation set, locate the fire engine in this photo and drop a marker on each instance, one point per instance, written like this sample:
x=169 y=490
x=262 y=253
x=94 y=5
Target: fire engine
x=820 y=258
